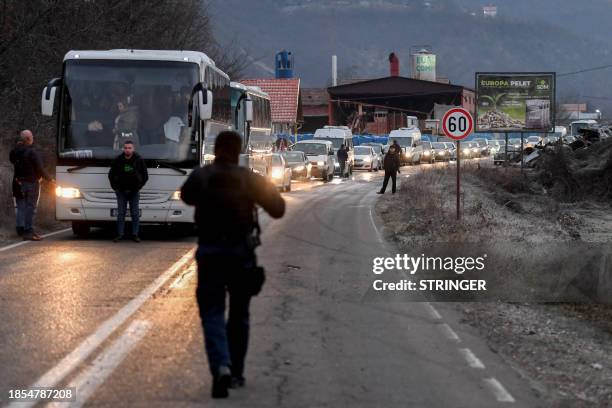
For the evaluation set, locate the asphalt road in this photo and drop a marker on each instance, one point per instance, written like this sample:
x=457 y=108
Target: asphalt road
x=119 y=321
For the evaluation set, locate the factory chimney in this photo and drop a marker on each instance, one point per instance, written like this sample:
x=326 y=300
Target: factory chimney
x=334 y=70
x=393 y=65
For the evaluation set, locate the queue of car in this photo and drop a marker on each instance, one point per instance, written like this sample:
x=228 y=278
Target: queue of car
x=317 y=158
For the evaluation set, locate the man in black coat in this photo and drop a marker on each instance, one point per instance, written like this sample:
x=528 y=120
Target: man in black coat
x=225 y=196
x=391 y=164
x=29 y=171
x=128 y=175
x=342 y=159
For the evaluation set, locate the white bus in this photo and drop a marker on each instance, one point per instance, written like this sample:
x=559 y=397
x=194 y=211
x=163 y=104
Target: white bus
x=169 y=103
x=253 y=121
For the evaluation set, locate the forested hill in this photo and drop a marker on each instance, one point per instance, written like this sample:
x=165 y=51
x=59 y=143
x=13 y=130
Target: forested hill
x=548 y=35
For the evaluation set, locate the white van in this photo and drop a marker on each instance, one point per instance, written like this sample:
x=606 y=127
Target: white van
x=338 y=135
x=320 y=153
x=408 y=138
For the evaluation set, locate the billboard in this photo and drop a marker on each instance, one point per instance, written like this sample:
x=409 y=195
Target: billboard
x=515 y=102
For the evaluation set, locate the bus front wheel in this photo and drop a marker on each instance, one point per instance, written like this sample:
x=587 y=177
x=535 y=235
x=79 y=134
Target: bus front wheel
x=80 y=228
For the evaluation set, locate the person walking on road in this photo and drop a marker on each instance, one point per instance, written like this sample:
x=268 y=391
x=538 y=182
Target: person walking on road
x=128 y=175
x=391 y=164
x=224 y=195
x=29 y=171
x=342 y=159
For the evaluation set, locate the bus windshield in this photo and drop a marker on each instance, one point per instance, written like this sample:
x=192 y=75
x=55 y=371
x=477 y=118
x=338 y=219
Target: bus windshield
x=107 y=102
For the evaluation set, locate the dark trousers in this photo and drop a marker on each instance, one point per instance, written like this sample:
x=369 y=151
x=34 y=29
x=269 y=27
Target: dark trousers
x=123 y=199
x=26 y=206
x=393 y=175
x=342 y=167
x=220 y=272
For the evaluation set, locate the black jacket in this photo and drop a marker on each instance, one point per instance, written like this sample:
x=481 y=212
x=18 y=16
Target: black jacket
x=391 y=162
x=128 y=174
x=225 y=196
x=342 y=155
x=28 y=165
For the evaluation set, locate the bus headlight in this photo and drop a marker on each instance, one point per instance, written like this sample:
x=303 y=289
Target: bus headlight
x=176 y=195
x=67 y=192
x=277 y=173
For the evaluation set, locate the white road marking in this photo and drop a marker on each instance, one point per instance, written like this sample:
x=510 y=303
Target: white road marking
x=103 y=366
x=183 y=279
x=448 y=332
x=498 y=390
x=432 y=311
x=91 y=343
x=16 y=244
x=471 y=358
x=378 y=236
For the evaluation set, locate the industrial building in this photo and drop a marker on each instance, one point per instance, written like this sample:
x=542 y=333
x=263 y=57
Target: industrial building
x=380 y=105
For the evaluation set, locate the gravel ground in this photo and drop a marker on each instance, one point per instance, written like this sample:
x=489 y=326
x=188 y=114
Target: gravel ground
x=565 y=350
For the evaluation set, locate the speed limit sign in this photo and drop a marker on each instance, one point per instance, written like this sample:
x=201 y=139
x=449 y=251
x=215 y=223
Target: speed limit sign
x=457 y=123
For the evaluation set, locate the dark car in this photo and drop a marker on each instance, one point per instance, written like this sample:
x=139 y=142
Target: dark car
x=299 y=164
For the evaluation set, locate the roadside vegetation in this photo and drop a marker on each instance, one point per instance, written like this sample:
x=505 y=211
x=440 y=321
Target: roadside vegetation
x=563 y=348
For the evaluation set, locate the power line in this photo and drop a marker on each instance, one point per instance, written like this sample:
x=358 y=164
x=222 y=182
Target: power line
x=585 y=70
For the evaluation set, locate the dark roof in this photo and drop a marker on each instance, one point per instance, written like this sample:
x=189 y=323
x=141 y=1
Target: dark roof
x=399 y=92
x=314 y=96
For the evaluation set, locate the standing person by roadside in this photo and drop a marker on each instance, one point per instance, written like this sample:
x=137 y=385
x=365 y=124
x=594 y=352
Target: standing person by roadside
x=29 y=171
x=342 y=159
x=128 y=175
x=224 y=195
x=391 y=164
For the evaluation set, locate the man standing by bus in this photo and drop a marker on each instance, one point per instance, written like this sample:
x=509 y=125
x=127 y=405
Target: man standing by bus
x=225 y=196
x=128 y=175
x=26 y=183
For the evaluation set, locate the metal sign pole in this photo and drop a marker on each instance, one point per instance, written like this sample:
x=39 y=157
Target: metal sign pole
x=458 y=180
x=506 y=151
x=522 y=154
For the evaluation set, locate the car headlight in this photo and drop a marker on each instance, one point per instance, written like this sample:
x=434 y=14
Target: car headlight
x=320 y=163
x=336 y=164
x=466 y=151
x=277 y=172
x=67 y=192
x=209 y=157
x=366 y=159
x=475 y=150
x=176 y=195
x=442 y=153
x=299 y=168
x=426 y=153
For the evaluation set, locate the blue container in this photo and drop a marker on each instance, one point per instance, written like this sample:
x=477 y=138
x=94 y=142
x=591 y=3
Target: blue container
x=284 y=64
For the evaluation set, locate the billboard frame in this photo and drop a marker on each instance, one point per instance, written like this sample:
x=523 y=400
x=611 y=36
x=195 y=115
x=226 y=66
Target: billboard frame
x=553 y=107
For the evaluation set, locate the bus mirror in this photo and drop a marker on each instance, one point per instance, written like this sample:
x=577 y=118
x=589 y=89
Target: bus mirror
x=205 y=97
x=47 y=100
x=248 y=110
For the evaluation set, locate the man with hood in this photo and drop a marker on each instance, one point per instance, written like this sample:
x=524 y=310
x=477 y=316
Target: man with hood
x=128 y=175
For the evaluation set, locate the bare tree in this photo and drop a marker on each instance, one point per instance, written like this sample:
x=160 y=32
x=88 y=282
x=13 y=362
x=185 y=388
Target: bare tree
x=36 y=34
